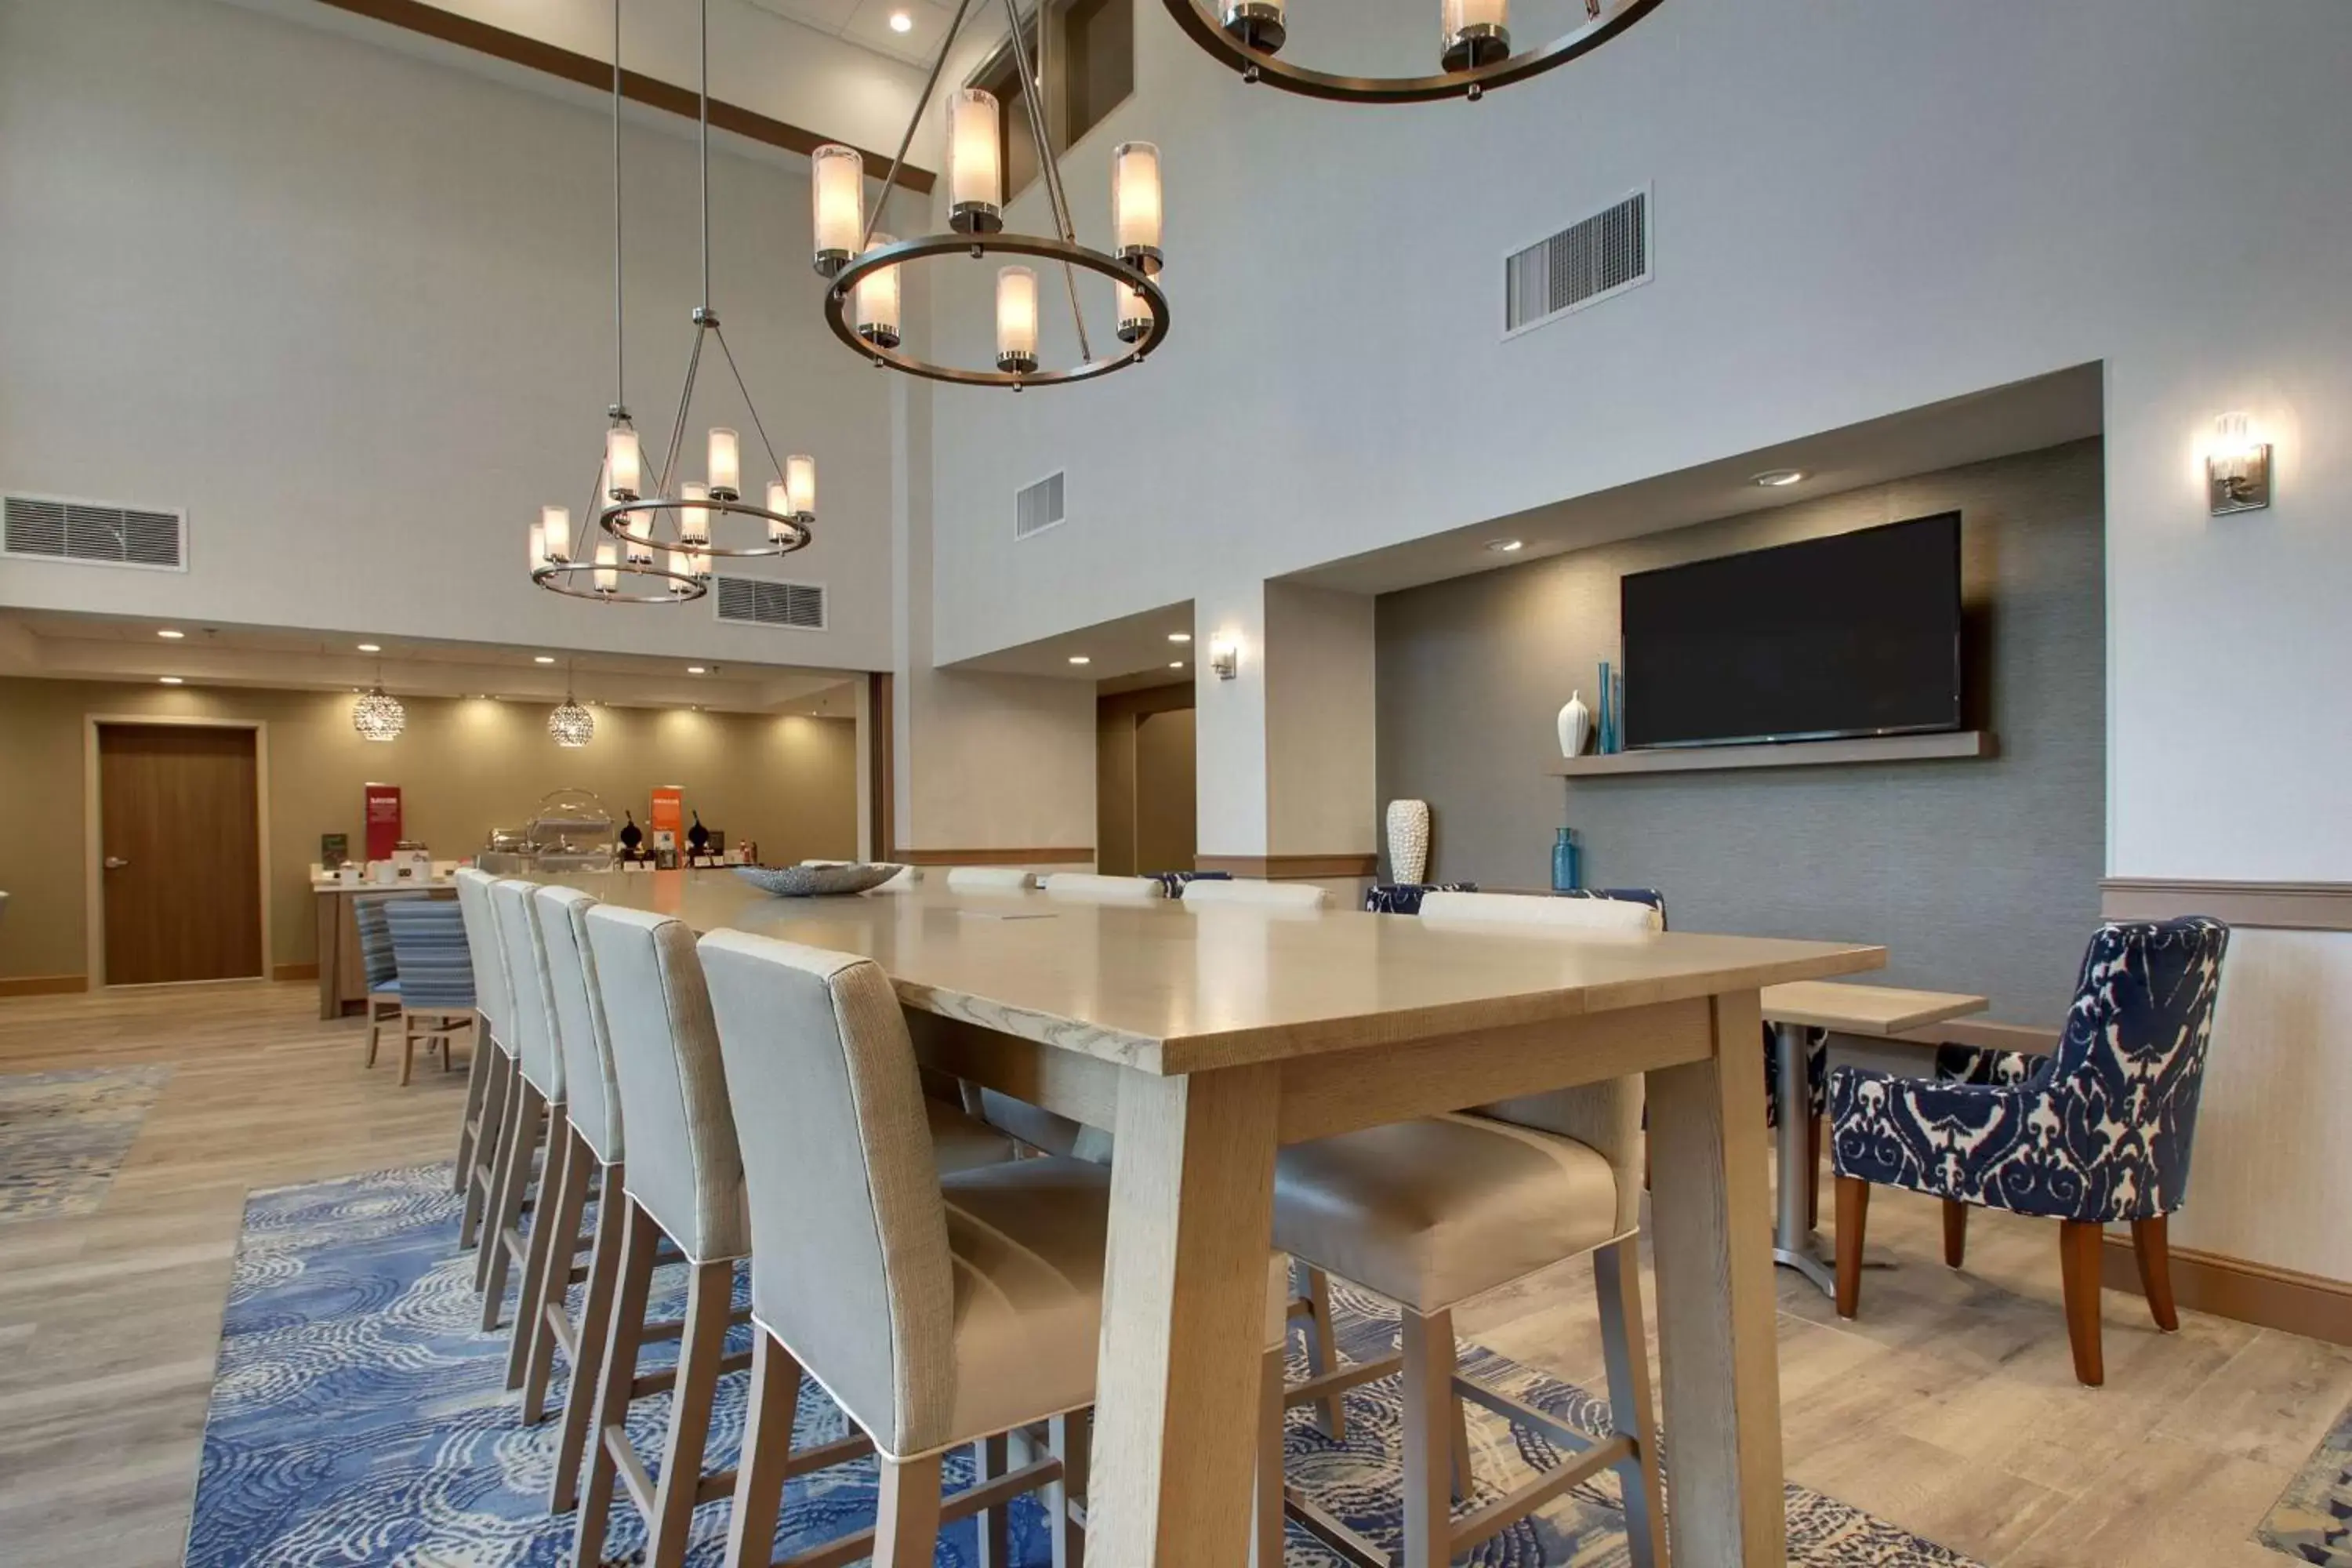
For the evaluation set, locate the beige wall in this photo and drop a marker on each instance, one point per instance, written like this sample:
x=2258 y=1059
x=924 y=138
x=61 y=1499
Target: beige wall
x=464 y=767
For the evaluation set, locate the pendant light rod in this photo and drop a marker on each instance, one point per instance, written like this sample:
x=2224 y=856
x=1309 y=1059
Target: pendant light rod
x=1032 y=92
x=620 y=352
x=898 y=158
x=703 y=38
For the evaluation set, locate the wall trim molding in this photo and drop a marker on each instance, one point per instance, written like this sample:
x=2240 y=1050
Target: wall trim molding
x=532 y=54
x=1291 y=867
x=2282 y=906
x=294 y=972
x=2253 y=1293
x=42 y=985
x=1080 y=854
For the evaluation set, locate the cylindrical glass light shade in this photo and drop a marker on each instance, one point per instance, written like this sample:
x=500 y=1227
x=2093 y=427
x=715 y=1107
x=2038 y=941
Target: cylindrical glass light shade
x=1476 y=32
x=681 y=571
x=799 y=485
x=725 y=464
x=539 y=562
x=1016 y=319
x=608 y=580
x=1135 y=203
x=837 y=190
x=779 y=501
x=694 y=521
x=1134 y=315
x=877 y=302
x=1255 y=23
x=638 y=552
x=623 y=463
x=555 y=529
x=975 y=163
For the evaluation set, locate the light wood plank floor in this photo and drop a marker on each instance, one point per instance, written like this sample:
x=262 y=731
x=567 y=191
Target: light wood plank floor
x=1949 y=1407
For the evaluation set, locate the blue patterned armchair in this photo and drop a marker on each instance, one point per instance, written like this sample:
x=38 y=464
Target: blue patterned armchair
x=1404 y=898
x=1173 y=882
x=2097 y=1134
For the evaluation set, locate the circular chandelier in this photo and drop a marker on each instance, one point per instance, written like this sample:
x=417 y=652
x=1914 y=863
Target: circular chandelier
x=862 y=305
x=659 y=539
x=1473 y=48
x=572 y=725
x=378 y=715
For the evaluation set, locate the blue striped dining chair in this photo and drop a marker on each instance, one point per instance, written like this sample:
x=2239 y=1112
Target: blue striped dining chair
x=377 y=963
x=2097 y=1134
x=437 y=976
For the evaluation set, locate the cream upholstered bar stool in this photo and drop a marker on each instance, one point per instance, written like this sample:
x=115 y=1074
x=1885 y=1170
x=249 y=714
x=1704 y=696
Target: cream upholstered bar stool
x=683 y=1181
x=989 y=879
x=1438 y=1211
x=491 y=1074
x=1094 y=889
x=533 y=1096
x=938 y=1310
x=1263 y=895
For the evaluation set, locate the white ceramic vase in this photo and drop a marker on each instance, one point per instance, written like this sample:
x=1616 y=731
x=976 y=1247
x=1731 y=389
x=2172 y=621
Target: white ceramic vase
x=1575 y=725
x=1407 y=840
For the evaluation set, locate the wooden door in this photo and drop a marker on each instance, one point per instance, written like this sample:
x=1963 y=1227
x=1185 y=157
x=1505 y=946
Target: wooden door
x=180 y=852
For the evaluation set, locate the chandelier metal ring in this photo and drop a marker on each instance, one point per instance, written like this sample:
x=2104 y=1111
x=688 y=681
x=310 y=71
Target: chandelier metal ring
x=1256 y=66
x=838 y=298
x=561 y=577
x=613 y=518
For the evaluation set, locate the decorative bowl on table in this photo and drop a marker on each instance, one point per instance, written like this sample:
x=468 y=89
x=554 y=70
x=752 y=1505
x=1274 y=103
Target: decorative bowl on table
x=813 y=881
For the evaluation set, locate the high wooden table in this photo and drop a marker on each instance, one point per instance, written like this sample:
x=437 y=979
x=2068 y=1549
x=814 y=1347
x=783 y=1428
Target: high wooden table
x=1881 y=1012
x=1206 y=1037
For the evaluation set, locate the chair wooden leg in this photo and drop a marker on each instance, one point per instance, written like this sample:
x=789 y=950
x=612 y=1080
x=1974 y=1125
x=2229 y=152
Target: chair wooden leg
x=775 y=1399
x=1428 y=1448
x=2079 y=1247
x=1323 y=1350
x=375 y=1032
x=520 y=1143
x=407 y=1047
x=554 y=1243
x=640 y=1239
x=2155 y=1255
x=1617 y=1280
x=1071 y=1438
x=595 y=1324
x=1852 y=1220
x=1813 y=1172
x=481 y=1179
x=993 y=1460
x=1956 y=1233
x=478 y=1083
x=907 y=1527
x=1265 y=1540
x=709 y=1300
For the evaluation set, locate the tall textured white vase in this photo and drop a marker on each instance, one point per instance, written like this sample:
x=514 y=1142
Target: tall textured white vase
x=1575 y=723
x=1407 y=840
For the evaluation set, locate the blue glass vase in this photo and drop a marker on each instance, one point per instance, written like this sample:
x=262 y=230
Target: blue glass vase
x=1566 y=874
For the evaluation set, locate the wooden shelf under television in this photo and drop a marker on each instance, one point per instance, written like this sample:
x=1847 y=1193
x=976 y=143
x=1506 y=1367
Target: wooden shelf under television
x=1786 y=755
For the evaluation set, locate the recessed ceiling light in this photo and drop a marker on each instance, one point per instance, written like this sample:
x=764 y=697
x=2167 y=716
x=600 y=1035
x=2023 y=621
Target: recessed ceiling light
x=1774 y=478
x=542 y=658
x=1179 y=636
x=170 y=680
x=1178 y=664
x=1507 y=546
x=371 y=648
x=1080 y=659
x=697 y=670
x=901 y=23
x=170 y=635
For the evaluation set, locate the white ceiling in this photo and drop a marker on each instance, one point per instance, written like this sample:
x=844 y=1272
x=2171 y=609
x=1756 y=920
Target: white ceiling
x=56 y=645
x=1124 y=655
x=866 y=23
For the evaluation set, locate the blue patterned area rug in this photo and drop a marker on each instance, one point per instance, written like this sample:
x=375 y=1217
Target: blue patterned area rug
x=359 y=1416
x=2312 y=1520
x=64 y=1134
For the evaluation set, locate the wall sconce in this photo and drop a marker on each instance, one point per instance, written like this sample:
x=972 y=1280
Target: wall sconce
x=2238 y=469
x=1225 y=657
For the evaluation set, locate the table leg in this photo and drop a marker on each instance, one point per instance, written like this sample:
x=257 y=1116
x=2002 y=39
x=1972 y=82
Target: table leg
x=1717 y=1345
x=1792 y=1238
x=1183 y=1320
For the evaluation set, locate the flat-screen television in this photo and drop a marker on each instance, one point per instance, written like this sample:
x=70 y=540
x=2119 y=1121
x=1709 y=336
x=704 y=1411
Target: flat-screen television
x=1857 y=633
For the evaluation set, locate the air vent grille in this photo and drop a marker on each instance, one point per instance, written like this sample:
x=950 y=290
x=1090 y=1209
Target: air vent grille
x=762 y=601
x=1583 y=265
x=1037 y=507
x=44 y=528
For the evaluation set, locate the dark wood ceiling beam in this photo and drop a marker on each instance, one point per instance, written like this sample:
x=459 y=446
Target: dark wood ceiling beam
x=532 y=54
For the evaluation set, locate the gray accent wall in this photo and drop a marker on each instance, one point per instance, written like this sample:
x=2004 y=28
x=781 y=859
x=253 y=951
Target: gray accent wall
x=1977 y=876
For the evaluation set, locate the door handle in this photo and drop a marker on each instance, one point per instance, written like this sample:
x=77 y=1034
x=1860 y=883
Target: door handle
x=114 y=862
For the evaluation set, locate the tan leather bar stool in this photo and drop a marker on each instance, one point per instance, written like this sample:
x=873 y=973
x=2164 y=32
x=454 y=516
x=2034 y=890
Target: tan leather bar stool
x=938 y=1310
x=491 y=1074
x=1435 y=1212
x=532 y=1097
